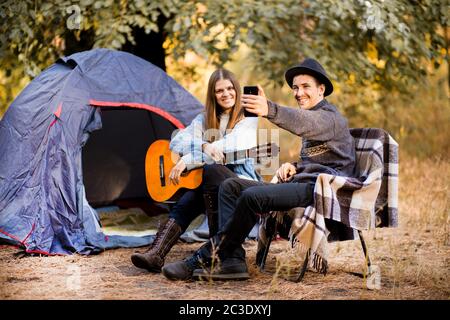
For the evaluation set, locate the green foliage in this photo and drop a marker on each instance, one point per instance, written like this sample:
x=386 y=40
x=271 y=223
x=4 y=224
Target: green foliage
x=349 y=37
x=418 y=122
x=370 y=48
x=33 y=34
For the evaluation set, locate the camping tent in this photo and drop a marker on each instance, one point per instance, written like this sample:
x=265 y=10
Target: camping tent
x=51 y=175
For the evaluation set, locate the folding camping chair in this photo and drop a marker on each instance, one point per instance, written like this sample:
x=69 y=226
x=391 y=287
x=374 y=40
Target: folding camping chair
x=375 y=189
x=274 y=228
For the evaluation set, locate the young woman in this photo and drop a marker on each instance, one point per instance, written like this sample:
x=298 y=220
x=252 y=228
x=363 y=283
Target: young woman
x=221 y=128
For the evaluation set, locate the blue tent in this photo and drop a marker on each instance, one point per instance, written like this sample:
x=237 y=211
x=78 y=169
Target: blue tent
x=51 y=175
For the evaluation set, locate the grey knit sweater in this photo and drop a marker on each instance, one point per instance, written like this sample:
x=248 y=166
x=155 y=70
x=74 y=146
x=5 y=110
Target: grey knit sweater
x=327 y=146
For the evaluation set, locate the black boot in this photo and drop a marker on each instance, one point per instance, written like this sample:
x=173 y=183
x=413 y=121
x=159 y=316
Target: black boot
x=212 y=212
x=153 y=259
x=182 y=270
x=227 y=261
x=230 y=266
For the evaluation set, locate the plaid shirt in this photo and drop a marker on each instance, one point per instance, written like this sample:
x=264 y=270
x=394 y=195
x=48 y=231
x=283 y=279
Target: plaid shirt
x=188 y=143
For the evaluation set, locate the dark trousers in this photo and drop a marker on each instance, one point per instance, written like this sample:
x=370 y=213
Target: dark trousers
x=191 y=204
x=240 y=201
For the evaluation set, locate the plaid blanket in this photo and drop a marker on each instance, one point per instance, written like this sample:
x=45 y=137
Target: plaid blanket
x=363 y=202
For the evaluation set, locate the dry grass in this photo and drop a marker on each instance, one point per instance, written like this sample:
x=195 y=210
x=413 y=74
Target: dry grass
x=413 y=259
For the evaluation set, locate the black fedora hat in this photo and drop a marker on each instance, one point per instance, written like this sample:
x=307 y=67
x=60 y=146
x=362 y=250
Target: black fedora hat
x=313 y=68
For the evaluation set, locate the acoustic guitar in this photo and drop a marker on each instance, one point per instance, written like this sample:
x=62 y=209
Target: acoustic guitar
x=160 y=160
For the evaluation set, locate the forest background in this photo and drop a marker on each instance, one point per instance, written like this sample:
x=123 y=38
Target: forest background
x=389 y=60
x=389 y=63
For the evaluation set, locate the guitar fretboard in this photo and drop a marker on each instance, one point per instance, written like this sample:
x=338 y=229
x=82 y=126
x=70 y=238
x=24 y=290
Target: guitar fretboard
x=256 y=153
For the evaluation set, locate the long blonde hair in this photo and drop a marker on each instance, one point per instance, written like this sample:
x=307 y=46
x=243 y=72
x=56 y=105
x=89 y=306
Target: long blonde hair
x=213 y=109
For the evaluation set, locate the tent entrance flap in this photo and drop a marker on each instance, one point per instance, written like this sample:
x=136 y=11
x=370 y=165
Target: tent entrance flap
x=114 y=156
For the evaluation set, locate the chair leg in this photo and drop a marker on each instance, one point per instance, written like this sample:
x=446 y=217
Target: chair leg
x=270 y=231
x=262 y=263
x=364 y=247
x=373 y=277
x=301 y=274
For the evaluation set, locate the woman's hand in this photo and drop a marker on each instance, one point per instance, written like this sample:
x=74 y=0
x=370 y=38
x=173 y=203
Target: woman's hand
x=256 y=104
x=177 y=170
x=213 y=152
x=286 y=172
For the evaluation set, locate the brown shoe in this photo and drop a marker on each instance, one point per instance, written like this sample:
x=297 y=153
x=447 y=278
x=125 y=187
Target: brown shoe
x=153 y=258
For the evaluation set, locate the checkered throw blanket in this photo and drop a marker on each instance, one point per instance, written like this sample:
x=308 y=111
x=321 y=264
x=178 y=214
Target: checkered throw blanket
x=363 y=202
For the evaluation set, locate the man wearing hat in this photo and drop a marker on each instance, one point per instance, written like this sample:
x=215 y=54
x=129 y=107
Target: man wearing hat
x=327 y=147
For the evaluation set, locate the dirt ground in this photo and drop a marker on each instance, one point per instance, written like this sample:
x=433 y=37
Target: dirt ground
x=110 y=275
x=413 y=260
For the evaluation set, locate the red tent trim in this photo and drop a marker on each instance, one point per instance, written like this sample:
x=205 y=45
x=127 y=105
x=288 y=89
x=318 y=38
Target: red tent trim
x=148 y=107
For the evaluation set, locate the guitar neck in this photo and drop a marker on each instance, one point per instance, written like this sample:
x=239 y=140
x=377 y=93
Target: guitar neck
x=237 y=155
x=258 y=152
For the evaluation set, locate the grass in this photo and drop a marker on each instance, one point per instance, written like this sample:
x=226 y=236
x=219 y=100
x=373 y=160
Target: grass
x=418 y=251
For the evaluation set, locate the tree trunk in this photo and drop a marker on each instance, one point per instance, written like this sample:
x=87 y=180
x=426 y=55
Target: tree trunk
x=82 y=41
x=149 y=46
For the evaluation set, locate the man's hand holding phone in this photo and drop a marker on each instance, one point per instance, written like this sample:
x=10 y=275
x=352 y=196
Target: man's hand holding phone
x=254 y=101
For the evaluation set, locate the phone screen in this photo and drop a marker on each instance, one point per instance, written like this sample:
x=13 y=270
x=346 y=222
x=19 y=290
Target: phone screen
x=250 y=90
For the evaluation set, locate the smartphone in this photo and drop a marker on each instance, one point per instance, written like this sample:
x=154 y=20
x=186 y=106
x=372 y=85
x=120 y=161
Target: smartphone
x=250 y=90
